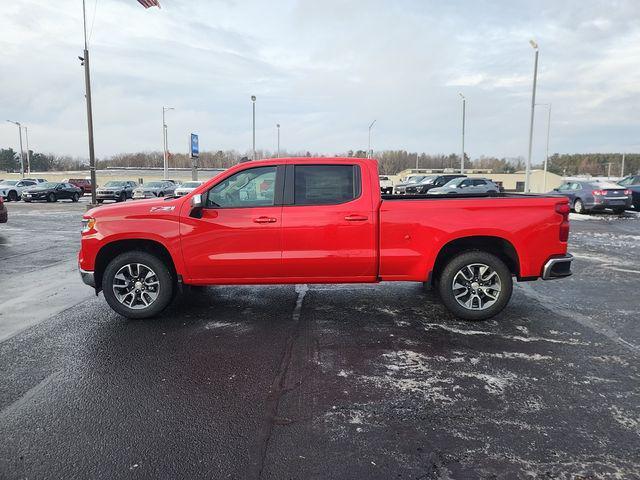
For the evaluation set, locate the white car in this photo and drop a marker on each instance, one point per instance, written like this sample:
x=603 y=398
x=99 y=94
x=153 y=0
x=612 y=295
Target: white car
x=187 y=187
x=11 y=190
x=386 y=185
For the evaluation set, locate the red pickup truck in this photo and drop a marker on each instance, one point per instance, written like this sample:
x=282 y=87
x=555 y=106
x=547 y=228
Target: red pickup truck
x=322 y=220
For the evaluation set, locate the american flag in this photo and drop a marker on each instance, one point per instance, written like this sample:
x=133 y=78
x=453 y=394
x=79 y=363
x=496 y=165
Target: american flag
x=149 y=3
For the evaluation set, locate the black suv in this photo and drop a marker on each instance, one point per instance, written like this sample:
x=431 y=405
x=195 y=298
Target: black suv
x=431 y=181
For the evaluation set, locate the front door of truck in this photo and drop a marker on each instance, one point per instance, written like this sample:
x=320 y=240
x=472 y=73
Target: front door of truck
x=238 y=236
x=328 y=224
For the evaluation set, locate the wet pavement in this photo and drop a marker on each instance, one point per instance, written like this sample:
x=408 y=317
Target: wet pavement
x=321 y=381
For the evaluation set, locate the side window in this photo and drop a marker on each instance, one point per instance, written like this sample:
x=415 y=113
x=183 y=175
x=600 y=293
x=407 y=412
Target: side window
x=479 y=183
x=576 y=186
x=466 y=183
x=441 y=181
x=254 y=187
x=326 y=184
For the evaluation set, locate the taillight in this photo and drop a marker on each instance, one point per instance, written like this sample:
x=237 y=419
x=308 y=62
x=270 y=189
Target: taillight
x=628 y=192
x=564 y=209
x=597 y=193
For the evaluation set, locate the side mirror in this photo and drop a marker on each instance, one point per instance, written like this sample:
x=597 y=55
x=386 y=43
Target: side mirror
x=196 y=201
x=196 y=206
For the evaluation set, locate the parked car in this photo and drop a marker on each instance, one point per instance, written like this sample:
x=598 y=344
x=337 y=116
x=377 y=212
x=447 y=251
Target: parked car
x=466 y=186
x=632 y=182
x=52 y=192
x=386 y=185
x=154 y=189
x=589 y=196
x=187 y=187
x=37 y=180
x=325 y=223
x=400 y=188
x=177 y=182
x=83 y=183
x=431 y=181
x=11 y=190
x=116 y=190
x=4 y=215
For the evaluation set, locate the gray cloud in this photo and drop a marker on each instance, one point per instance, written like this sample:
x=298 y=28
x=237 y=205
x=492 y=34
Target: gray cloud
x=324 y=70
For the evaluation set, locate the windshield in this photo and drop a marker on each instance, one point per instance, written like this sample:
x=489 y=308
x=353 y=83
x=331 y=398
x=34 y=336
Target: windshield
x=415 y=179
x=155 y=184
x=9 y=182
x=428 y=180
x=114 y=184
x=191 y=184
x=454 y=183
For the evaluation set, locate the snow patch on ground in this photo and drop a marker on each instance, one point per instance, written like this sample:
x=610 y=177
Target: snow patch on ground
x=237 y=327
x=625 y=419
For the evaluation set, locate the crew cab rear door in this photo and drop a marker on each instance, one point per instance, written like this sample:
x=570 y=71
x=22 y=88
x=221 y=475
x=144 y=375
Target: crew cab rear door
x=237 y=236
x=328 y=224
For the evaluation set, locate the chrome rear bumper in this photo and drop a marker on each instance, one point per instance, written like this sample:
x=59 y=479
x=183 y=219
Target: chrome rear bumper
x=557 y=267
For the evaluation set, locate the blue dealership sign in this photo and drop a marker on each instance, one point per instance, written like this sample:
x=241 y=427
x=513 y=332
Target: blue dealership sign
x=195 y=148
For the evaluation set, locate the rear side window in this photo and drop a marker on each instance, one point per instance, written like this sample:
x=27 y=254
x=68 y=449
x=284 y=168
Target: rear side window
x=326 y=184
x=479 y=182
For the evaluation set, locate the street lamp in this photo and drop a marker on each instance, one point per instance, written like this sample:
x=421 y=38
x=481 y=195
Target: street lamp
x=369 y=152
x=278 y=126
x=546 y=157
x=464 y=115
x=527 y=186
x=21 y=150
x=165 y=142
x=26 y=136
x=253 y=103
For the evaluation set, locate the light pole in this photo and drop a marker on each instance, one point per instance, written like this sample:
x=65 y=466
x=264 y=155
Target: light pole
x=527 y=175
x=464 y=116
x=21 y=150
x=369 y=153
x=622 y=167
x=165 y=142
x=546 y=157
x=87 y=86
x=278 y=127
x=253 y=103
x=26 y=136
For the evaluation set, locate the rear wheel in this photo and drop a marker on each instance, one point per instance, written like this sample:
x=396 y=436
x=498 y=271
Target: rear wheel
x=138 y=285
x=578 y=206
x=475 y=285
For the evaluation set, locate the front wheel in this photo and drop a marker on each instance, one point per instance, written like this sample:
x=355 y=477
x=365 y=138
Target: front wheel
x=618 y=211
x=75 y=198
x=475 y=285
x=51 y=198
x=137 y=284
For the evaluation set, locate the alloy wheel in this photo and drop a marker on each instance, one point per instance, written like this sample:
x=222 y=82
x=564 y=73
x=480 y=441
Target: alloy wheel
x=476 y=286
x=136 y=286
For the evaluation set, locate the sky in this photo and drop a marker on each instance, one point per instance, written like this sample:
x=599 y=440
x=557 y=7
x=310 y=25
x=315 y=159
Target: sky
x=324 y=70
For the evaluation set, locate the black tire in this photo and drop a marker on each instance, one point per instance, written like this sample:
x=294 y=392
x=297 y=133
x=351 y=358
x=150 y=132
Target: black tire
x=75 y=198
x=578 y=206
x=167 y=284
x=161 y=194
x=122 y=197
x=455 y=265
x=618 y=211
x=100 y=201
x=51 y=198
x=13 y=196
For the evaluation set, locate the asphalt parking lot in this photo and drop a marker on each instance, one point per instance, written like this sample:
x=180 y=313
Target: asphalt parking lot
x=317 y=381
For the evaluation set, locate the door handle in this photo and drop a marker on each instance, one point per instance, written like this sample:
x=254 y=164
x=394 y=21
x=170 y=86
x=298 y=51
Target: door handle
x=356 y=218
x=265 y=220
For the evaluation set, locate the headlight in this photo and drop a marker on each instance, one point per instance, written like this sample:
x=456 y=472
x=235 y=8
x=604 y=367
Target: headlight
x=88 y=224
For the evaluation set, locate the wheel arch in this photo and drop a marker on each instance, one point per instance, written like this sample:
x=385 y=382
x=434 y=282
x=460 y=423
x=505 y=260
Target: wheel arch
x=498 y=246
x=111 y=250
